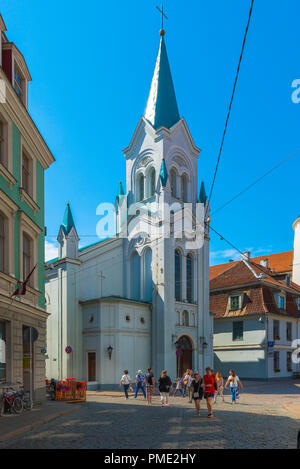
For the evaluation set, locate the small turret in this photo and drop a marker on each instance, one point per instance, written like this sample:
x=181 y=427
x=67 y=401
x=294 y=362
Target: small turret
x=67 y=236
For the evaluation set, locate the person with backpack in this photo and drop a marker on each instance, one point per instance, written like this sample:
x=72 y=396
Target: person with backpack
x=126 y=382
x=150 y=384
x=210 y=386
x=234 y=382
x=197 y=391
x=140 y=383
x=164 y=385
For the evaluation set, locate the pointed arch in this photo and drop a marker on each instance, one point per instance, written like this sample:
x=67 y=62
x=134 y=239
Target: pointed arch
x=178 y=268
x=135 y=276
x=190 y=277
x=140 y=187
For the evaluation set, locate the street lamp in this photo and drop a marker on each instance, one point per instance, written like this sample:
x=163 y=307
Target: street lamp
x=110 y=351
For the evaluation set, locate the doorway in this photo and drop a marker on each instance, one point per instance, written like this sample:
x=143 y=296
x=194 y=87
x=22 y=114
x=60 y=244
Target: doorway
x=185 y=359
x=28 y=362
x=91 y=367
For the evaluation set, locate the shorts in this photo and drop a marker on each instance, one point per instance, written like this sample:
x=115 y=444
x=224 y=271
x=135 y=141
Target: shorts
x=149 y=390
x=211 y=395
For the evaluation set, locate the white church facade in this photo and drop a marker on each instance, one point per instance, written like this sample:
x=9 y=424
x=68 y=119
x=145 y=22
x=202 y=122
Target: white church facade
x=138 y=299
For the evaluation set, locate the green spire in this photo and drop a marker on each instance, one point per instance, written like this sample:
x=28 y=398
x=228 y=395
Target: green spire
x=163 y=173
x=121 y=190
x=202 y=196
x=120 y=193
x=68 y=222
x=162 y=106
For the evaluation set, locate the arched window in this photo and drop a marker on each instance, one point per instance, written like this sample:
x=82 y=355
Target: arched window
x=148 y=275
x=189 y=278
x=185 y=319
x=178 y=318
x=173 y=182
x=184 y=188
x=140 y=188
x=135 y=276
x=177 y=275
x=151 y=183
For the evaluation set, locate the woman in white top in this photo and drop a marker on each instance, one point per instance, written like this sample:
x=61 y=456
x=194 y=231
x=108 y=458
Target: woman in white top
x=234 y=382
x=126 y=382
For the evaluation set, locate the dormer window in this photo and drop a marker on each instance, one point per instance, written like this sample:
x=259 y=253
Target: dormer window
x=281 y=302
x=18 y=82
x=298 y=303
x=235 y=302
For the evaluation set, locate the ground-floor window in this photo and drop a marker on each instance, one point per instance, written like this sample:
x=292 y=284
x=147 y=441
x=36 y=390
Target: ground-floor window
x=276 y=362
x=91 y=366
x=289 y=361
x=2 y=351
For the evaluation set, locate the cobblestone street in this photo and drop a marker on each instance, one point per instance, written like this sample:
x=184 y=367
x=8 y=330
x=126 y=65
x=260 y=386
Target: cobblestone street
x=264 y=418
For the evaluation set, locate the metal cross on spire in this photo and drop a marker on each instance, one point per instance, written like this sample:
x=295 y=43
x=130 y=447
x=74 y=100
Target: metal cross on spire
x=161 y=10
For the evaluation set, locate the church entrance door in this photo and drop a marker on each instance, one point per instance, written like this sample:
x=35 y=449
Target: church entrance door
x=185 y=355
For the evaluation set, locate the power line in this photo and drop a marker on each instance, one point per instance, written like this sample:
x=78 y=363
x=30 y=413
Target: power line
x=256 y=181
x=231 y=101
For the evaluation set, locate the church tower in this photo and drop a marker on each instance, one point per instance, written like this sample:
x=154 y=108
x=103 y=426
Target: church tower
x=167 y=267
x=67 y=237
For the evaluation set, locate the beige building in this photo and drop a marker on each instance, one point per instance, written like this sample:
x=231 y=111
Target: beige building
x=24 y=156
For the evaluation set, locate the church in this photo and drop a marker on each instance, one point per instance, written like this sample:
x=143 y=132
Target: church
x=138 y=298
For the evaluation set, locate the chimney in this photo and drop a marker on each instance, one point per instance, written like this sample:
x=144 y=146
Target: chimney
x=245 y=256
x=265 y=263
x=296 y=260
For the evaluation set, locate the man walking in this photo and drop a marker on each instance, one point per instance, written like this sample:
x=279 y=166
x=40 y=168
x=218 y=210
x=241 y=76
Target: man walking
x=140 y=383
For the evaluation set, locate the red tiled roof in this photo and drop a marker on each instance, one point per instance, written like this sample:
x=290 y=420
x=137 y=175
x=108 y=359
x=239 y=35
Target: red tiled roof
x=257 y=289
x=279 y=262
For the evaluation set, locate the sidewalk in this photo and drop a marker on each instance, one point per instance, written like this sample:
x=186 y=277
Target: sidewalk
x=13 y=425
x=293 y=409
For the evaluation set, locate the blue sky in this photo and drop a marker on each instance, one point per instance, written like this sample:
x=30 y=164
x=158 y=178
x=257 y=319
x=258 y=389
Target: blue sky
x=92 y=66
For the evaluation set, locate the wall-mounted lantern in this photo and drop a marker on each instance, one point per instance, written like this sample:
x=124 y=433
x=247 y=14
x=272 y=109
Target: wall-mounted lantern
x=110 y=351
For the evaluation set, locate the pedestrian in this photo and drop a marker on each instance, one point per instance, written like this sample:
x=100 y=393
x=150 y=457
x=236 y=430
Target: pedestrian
x=150 y=384
x=126 y=383
x=220 y=386
x=140 y=383
x=209 y=385
x=164 y=385
x=177 y=387
x=197 y=391
x=234 y=382
x=190 y=386
x=185 y=380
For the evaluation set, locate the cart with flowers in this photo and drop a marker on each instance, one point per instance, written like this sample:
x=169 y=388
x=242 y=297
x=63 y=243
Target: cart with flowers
x=70 y=390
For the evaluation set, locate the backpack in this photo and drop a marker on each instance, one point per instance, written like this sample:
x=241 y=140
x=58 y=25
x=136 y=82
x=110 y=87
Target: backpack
x=140 y=379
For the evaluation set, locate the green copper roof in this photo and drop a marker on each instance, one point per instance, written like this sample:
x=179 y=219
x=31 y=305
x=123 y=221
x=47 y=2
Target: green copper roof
x=162 y=106
x=202 y=196
x=68 y=222
x=163 y=173
x=121 y=190
x=120 y=193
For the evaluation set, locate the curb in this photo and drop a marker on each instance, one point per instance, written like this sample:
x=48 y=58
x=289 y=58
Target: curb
x=32 y=426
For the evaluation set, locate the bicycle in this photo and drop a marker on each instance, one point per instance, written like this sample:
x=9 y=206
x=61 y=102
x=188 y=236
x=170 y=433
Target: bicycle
x=11 y=401
x=25 y=397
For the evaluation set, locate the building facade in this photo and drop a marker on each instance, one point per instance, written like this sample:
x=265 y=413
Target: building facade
x=138 y=299
x=24 y=156
x=256 y=307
